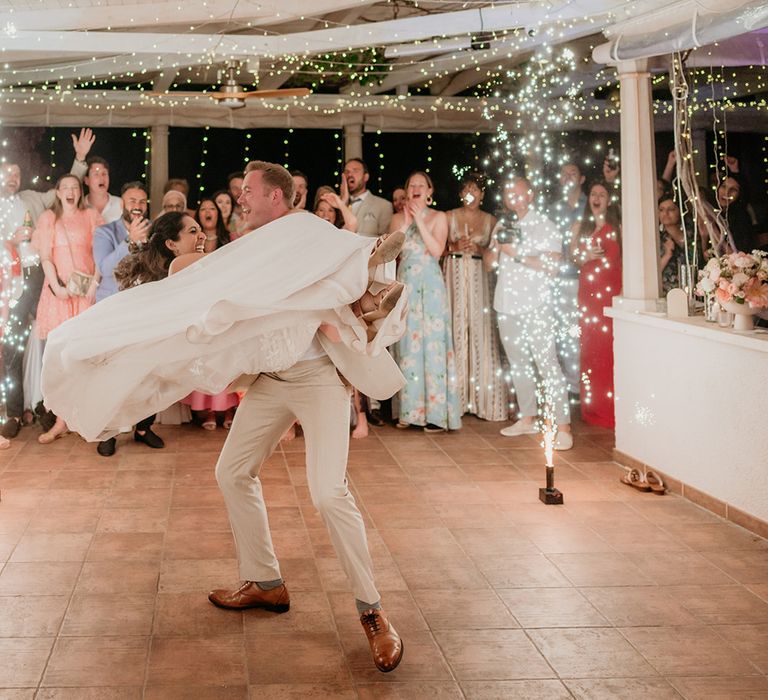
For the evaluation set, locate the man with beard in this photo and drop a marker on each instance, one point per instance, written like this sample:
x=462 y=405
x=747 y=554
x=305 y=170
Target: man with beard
x=111 y=243
x=373 y=213
x=301 y=189
x=373 y=216
x=18 y=213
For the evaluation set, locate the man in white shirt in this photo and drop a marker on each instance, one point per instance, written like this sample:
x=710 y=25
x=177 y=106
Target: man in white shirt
x=529 y=250
x=565 y=211
x=97 y=180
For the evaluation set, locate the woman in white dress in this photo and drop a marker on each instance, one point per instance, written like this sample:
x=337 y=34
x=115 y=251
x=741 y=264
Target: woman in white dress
x=282 y=283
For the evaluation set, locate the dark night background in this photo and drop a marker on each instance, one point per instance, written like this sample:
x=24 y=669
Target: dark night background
x=318 y=153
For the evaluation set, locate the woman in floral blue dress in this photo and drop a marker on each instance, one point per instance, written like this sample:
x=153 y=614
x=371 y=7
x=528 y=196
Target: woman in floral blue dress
x=425 y=354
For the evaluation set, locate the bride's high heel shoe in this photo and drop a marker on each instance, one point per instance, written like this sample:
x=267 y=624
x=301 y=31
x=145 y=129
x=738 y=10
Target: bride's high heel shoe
x=387 y=248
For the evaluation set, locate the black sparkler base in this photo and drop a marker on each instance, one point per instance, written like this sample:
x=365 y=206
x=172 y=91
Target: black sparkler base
x=552 y=497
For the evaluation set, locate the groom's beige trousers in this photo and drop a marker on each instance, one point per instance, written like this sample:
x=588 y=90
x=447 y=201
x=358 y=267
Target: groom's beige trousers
x=312 y=392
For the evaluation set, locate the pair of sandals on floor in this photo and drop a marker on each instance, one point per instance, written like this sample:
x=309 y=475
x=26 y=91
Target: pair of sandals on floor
x=647 y=481
x=374 y=306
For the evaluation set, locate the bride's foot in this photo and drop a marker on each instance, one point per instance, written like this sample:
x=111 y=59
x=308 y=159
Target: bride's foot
x=289 y=434
x=5 y=443
x=58 y=430
x=361 y=429
x=376 y=306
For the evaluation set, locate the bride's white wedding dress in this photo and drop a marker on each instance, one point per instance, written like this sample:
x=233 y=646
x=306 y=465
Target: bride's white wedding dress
x=252 y=306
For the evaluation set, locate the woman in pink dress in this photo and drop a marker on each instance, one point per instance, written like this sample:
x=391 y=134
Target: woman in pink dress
x=597 y=252
x=63 y=239
x=206 y=407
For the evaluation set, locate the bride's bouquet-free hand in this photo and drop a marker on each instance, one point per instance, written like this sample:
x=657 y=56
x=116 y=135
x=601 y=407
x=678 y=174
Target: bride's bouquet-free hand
x=740 y=278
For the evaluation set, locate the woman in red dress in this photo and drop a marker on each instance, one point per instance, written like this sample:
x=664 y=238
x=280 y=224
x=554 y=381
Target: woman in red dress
x=597 y=252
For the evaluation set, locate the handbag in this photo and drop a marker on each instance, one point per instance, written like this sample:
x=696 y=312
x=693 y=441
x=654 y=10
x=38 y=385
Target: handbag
x=78 y=282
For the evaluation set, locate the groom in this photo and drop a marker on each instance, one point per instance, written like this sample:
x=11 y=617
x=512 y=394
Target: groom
x=313 y=392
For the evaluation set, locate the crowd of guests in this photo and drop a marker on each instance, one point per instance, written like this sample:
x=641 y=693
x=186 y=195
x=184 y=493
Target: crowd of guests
x=506 y=309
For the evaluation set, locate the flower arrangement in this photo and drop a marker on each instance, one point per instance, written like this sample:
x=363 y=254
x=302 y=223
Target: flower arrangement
x=741 y=278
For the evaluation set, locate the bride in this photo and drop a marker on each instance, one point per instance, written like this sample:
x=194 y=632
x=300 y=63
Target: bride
x=252 y=306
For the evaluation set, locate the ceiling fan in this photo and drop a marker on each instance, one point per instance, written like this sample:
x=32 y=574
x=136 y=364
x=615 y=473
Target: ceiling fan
x=233 y=95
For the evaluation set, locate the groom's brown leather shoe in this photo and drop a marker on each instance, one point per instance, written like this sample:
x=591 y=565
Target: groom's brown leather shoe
x=249 y=595
x=386 y=645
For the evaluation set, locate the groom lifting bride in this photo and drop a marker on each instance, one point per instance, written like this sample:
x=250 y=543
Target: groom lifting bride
x=312 y=392
x=284 y=326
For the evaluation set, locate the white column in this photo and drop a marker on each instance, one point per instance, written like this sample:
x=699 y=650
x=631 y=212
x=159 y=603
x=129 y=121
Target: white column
x=158 y=166
x=699 y=139
x=638 y=190
x=353 y=137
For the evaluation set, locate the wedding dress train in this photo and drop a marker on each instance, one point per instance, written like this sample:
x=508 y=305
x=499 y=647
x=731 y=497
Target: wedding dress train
x=252 y=306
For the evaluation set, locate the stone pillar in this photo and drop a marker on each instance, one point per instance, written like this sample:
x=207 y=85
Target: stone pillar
x=158 y=166
x=353 y=137
x=640 y=248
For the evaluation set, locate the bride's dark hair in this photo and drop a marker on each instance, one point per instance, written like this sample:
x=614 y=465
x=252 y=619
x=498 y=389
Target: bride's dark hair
x=151 y=263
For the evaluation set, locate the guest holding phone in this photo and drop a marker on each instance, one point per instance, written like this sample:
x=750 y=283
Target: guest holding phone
x=112 y=243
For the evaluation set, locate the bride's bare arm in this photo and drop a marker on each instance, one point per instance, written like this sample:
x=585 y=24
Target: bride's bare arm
x=330 y=332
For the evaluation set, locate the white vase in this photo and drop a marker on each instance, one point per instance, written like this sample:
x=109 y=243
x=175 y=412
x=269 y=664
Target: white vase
x=743 y=316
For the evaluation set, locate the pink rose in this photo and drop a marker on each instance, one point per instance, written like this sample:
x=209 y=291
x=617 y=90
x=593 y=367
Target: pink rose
x=722 y=295
x=740 y=279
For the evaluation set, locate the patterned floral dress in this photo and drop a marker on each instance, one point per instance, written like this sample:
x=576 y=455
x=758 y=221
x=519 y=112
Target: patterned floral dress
x=480 y=375
x=425 y=353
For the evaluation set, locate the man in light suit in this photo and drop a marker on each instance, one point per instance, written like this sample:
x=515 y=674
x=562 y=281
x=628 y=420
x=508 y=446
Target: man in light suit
x=373 y=213
x=313 y=392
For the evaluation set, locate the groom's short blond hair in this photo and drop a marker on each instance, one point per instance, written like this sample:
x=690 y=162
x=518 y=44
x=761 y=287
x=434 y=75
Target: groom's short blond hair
x=274 y=176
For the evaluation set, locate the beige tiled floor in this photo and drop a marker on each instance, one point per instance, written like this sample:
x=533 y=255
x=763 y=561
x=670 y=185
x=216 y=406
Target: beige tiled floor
x=105 y=565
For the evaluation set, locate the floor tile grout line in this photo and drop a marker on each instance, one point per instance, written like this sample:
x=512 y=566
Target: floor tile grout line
x=626 y=503
x=58 y=636
x=426 y=621
x=151 y=634
x=432 y=631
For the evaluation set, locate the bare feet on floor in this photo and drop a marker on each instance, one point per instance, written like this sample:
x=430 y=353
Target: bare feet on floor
x=361 y=429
